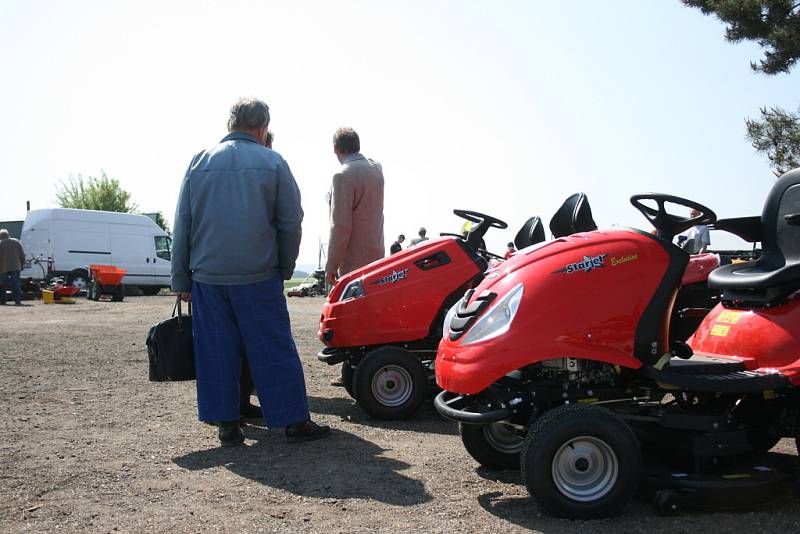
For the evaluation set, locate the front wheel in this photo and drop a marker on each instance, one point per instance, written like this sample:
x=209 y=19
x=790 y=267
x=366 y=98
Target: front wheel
x=348 y=374
x=581 y=462
x=390 y=383
x=496 y=445
x=78 y=278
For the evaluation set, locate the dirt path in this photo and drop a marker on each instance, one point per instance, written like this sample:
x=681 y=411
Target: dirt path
x=88 y=444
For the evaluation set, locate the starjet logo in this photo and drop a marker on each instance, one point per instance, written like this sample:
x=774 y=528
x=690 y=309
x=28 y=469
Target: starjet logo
x=588 y=263
x=391 y=278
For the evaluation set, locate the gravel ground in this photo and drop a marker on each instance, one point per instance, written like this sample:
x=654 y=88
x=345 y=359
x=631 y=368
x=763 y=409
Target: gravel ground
x=88 y=444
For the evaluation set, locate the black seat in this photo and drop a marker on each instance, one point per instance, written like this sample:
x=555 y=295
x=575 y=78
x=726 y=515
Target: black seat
x=532 y=232
x=574 y=215
x=776 y=274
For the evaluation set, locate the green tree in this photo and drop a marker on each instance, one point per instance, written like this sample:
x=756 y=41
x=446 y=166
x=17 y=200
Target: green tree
x=775 y=26
x=778 y=136
x=91 y=193
x=161 y=221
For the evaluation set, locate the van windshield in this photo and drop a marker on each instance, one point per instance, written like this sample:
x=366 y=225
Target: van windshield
x=163 y=247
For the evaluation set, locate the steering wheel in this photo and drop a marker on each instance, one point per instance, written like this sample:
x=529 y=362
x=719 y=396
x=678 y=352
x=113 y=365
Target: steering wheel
x=666 y=224
x=477 y=218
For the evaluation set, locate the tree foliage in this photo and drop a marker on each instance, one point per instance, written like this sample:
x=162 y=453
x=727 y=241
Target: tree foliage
x=773 y=24
x=778 y=136
x=162 y=222
x=91 y=193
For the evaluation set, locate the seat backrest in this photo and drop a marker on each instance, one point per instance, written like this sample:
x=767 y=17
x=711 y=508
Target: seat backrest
x=781 y=233
x=532 y=232
x=574 y=215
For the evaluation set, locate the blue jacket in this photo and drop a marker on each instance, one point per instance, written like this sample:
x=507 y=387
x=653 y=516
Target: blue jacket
x=238 y=216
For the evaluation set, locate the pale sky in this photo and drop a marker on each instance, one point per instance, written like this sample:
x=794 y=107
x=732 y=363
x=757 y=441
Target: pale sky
x=501 y=107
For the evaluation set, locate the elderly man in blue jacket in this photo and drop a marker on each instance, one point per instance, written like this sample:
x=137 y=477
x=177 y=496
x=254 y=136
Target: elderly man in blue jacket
x=237 y=236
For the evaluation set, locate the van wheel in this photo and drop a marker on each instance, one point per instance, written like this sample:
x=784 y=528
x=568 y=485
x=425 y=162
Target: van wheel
x=496 y=446
x=78 y=278
x=390 y=383
x=581 y=462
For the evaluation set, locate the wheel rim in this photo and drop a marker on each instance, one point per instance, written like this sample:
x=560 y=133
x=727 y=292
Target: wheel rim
x=585 y=468
x=392 y=385
x=80 y=282
x=503 y=438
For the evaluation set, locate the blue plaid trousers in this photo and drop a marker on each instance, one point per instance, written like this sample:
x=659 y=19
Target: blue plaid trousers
x=231 y=321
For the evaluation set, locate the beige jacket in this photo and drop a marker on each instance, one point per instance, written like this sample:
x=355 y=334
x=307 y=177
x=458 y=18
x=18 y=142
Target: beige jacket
x=12 y=257
x=356 y=215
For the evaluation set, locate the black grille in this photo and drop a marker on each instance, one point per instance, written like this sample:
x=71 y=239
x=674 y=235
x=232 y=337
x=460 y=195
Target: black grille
x=467 y=313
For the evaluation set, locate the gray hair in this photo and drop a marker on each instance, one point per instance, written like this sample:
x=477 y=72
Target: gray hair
x=248 y=114
x=4 y=233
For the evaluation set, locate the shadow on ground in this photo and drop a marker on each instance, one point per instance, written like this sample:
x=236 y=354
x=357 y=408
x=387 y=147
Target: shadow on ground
x=426 y=420
x=344 y=466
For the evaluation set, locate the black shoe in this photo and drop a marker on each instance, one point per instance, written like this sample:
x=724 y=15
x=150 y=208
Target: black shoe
x=230 y=434
x=250 y=413
x=306 y=431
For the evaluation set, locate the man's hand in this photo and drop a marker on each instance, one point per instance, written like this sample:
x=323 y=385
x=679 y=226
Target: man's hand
x=185 y=296
x=330 y=277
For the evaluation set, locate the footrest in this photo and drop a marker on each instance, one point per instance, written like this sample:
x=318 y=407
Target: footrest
x=723 y=382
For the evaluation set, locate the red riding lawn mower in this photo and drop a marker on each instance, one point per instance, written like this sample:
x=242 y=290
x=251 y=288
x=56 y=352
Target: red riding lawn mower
x=383 y=322
x=560 y=362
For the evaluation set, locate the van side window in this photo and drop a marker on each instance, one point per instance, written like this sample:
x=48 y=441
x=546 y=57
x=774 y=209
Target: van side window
x=163 y=247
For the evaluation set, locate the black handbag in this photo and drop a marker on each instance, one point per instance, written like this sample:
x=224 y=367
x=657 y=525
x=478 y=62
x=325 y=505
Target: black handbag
x=170 y=348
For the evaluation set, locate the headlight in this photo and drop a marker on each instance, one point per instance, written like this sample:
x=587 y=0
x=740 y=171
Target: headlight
x=448 y=318
x=497 y=319
x=354 y=290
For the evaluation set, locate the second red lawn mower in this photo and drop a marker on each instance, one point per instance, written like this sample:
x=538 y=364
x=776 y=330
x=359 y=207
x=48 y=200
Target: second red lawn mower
x=563 y=355
x=383 y=322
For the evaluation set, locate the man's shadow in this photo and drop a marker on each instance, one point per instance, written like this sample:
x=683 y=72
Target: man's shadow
x=426 y=420
x=341 y=466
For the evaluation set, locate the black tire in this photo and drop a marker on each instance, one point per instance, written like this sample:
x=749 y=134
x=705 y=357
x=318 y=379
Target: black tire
x=348 y=374
x=80 y=278
x=390 y=383
x=150 y=291
x=97 y=291
x=666 y=503
x=492 y=445
x=90 y=292
x=574 y=441
x=119 y=294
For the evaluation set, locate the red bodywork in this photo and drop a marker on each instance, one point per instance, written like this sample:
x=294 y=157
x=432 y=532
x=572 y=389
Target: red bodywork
x=766 y=339
x=699 y=267
x=583 y=311
x=405 y=293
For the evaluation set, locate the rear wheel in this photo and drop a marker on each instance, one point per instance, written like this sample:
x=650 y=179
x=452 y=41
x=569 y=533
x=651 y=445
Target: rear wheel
x=496 y=446
x=119 y=293
x=581 y=462
x=390 y=383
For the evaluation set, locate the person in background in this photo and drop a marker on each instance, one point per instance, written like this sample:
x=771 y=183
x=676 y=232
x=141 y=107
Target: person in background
x=236 y=238
x=696 y=239
x=356 y=208
x=12 y=260
x=422 y=237
x=397 y=246
x=509 y=250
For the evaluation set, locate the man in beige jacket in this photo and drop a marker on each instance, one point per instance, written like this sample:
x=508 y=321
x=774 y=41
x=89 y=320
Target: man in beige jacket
x=356 y=237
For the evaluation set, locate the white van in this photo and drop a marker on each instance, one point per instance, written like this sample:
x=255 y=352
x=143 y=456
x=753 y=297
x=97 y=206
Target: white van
x=75 y=239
